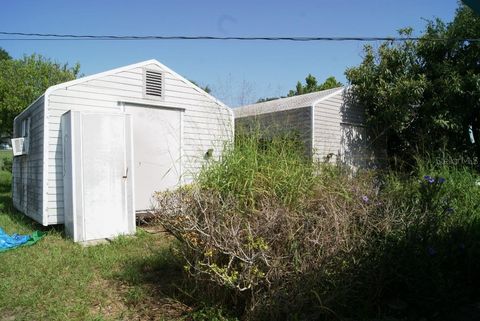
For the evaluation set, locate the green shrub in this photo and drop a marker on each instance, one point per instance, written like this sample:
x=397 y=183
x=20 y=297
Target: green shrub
x=7 y=164
x=6 y=159
x=259 y=222
x=5 y=180
x=277 y=237
x=211 y=314
x=431 y=260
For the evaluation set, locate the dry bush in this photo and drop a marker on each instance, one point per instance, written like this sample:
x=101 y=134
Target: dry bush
x=275 y=258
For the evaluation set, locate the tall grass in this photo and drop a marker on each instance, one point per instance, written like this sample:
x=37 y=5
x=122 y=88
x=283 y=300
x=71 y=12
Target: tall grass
x=461 y=189
x=256 y=167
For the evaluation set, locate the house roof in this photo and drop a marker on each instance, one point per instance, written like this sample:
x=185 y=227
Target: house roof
x=294 y=102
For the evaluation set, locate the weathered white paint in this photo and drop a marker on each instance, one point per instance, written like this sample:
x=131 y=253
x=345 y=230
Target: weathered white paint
x=98 y=189
x=207 y=123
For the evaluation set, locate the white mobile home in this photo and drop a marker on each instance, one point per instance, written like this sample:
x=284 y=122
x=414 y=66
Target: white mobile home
x=173 y=122
x=330 y=128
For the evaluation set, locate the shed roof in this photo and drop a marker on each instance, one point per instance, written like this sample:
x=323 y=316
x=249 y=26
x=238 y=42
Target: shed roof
x=124 y=68
x=281 y=104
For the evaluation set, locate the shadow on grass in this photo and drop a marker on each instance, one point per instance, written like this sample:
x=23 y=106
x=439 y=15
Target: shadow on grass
x=158 y=285
x=18 y=218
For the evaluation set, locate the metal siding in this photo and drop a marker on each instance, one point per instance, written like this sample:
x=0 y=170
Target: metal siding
x=330 y=114
x=207 y=123
x=27 y=170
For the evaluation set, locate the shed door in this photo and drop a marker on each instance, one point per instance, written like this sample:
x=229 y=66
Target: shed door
x=156 y=151
x=104 y=167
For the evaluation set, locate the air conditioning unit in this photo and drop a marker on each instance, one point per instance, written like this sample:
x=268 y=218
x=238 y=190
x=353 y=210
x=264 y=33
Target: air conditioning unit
x=20 y=146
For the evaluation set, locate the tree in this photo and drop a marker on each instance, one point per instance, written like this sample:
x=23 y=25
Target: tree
x=4 y=55
x=311 y=85
x=206 y=89
x=452 y=67
x=423 y=96
x=24 y=80
x=262 y=100
x=389 y=84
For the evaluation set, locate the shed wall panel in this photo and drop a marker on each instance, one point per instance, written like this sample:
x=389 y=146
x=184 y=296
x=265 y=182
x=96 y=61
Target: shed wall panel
x=331 y=115
x=27 y=170
x=294 y=121
x=206 y=123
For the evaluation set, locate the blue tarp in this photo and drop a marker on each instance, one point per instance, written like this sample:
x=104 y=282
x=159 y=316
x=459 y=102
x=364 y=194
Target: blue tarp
x=11 y=241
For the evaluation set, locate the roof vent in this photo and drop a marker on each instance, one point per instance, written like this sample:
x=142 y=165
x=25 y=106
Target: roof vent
x=153 y=84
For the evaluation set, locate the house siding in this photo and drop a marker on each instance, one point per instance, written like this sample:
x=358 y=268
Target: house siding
x=27 y=170
x=206 y=123
x=331 y=117
x=298 y=121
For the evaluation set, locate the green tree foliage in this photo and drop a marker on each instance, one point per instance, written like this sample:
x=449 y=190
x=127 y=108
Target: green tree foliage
x=4 y=54
x=206 y=89
x=262 y=100
x=24 y=80
x=311 y=85
x=423 y=96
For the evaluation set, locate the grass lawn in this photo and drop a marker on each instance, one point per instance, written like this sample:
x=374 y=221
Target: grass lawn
x=131 y=278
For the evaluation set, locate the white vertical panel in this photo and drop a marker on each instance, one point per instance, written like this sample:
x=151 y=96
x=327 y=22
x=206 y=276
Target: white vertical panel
x=157 y=151
x=68 y=173
x=98 y=174
x=103 y=153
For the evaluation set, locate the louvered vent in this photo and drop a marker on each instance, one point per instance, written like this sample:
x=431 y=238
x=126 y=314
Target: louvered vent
x=153 y=84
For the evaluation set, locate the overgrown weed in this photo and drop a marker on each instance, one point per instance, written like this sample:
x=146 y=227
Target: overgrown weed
x=276 y=236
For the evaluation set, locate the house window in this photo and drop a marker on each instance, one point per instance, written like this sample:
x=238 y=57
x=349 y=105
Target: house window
x=26 y=127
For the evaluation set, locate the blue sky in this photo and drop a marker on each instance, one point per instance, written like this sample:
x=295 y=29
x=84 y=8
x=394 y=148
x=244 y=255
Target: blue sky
x=238 y=72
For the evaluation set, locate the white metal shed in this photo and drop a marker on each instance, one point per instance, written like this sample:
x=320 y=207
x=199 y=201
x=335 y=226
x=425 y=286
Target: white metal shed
x=330 y=128
x=174 y=124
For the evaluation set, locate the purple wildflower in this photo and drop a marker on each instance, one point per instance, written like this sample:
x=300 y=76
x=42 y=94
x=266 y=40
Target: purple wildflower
x=429 y=179
x=365 y=199
x=441 y=180
x=449 y=210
